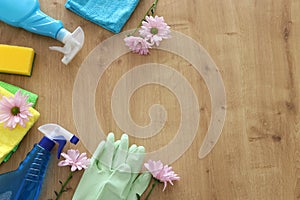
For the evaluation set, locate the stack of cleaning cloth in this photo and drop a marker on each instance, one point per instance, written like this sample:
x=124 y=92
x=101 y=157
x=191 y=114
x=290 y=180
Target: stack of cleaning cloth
x=10 y=139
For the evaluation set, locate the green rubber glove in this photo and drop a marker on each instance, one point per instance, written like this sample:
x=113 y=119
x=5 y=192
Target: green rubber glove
x=114 y=172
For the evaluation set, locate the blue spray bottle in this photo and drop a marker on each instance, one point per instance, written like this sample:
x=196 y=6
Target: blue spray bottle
x=25 y=183
x=26 y=14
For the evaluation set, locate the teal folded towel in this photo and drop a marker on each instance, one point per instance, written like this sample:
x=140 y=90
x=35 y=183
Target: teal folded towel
x=110 y=14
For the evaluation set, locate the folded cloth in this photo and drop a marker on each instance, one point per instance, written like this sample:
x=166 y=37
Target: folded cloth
x=32 y=98
x=110 y=14
x=13 y=89
x=9 y=139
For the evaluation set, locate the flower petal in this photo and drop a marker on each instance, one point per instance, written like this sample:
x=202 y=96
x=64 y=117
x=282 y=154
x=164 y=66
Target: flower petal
x=74 y=159
x=162 y=173
x=6 y=104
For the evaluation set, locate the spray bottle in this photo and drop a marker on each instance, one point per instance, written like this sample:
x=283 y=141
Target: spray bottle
x=26 y=14
x=25 y=182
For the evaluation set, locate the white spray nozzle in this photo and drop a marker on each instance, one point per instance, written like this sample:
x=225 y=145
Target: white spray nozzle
x=73 y=43
x=53 y=131
x=58 y=134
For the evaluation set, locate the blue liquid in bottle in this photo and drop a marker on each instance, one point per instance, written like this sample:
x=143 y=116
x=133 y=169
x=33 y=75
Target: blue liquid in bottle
x=25 y=183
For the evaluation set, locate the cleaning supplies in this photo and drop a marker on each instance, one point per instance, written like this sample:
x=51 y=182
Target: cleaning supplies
x=16 y=60
x=27 y=15
x=111 y=15
x=32 y=98
x=10 y=138
x=114 y=172
x=25 y=182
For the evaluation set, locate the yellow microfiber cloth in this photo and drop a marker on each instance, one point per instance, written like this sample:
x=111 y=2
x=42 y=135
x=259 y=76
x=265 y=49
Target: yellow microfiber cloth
x=16 y=60
x=10 y=138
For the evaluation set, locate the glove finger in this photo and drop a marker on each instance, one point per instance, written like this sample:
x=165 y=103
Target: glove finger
x=105 y=160
x=117 y=143
x=135 y=158
x=132 y=148
x=121 y=152
x=97 y=153
x=139 y=186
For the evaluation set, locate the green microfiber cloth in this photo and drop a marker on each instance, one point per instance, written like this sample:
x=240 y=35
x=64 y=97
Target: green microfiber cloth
x=32 y=98
x=13 y=89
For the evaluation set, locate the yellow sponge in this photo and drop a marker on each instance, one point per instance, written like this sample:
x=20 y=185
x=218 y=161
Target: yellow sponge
x=16 y=60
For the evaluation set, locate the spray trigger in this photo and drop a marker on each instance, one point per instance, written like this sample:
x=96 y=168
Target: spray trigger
x=58 y=134
x=61 y=144
x=73 y=43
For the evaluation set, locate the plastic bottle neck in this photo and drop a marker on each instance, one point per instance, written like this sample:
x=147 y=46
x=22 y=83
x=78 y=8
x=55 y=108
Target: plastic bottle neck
x=62 y=35
x=46 y=143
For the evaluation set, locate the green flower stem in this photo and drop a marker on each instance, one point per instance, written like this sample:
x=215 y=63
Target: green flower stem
x=63 y=186
x=150 y=11
x=153 y=186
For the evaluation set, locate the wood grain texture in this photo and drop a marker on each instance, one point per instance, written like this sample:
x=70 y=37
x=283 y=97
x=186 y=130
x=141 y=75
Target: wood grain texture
x=255 y=44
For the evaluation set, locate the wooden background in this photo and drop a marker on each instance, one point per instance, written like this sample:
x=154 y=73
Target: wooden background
x=255 y=44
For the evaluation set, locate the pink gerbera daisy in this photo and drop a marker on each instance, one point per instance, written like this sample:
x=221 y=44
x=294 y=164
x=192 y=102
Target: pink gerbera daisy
x=155 y=29
x=137 y=45
x=162 y=173
x=15 y=110
x=74 y=159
